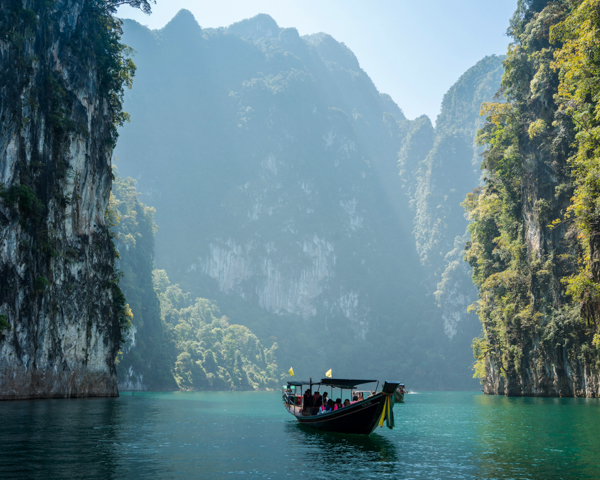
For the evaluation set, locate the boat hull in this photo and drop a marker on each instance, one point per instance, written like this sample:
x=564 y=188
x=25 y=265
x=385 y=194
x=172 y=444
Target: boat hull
x=359 y=418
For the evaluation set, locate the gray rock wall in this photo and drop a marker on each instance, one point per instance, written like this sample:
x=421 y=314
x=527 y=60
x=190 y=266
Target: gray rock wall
x=56 y=258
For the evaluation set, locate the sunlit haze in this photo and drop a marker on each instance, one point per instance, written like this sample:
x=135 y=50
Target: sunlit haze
x=413 y=51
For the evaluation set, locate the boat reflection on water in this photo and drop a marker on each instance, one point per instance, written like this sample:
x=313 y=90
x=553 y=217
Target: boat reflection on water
x=357 y=455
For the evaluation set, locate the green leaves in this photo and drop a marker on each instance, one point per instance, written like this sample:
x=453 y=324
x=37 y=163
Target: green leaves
x=4 y=325
x=578 y=97
x=518 y=259
x=211 y=353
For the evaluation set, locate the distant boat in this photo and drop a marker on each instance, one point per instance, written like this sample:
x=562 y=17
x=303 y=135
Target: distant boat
x=399 y=393
x=360 y=417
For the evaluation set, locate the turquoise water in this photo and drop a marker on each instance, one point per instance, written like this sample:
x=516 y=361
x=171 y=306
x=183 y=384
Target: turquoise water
x=250 y=435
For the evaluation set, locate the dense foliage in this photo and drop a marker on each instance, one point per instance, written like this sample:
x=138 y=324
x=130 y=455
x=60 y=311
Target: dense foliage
x=174 y=342
x=578 y=63
x=146 y=355
x=524 y=247
x=211 y=353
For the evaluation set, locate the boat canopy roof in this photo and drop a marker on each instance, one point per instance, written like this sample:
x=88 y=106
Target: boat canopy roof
x=298 y=383
x=344 y=382
x=332 y=382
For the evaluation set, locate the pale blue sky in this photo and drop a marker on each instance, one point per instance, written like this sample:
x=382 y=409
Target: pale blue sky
x=413 y=50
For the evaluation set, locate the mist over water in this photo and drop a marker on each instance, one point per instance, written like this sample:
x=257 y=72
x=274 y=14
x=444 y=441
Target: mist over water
x=250 y=435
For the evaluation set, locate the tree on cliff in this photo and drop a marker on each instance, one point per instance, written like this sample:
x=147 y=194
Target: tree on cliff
x=523 y=246
x=578 y=63
x=63 y=70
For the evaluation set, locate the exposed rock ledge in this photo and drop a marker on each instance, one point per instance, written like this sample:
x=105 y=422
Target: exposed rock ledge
x=20 y=384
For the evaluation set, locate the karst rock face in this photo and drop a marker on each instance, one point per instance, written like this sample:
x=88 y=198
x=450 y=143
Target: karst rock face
x=59 y=334
x=272 y=161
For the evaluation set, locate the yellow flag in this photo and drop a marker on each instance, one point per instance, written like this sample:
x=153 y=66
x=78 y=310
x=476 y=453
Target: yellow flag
x=291 y=372
x=328 y=373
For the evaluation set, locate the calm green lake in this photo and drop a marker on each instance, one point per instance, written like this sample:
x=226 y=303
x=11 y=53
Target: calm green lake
x=249 y=435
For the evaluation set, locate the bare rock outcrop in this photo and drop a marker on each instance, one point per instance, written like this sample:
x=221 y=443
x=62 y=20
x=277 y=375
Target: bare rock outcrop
x=59 y=299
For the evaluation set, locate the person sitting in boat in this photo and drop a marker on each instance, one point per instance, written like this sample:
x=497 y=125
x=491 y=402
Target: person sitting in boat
x=308 y=402
x=338 y=404
x=354 y=399
x=326 y=407
x=318 y=401
x=346 y=402
x=360 y=397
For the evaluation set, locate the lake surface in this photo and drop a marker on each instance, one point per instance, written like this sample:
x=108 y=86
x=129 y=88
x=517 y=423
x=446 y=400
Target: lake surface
x=181 y=435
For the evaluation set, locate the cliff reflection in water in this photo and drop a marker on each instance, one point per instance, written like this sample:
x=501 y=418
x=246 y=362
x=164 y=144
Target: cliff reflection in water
x=223 y=435
x=69 y=439
x=340 y=453
x=538 y=437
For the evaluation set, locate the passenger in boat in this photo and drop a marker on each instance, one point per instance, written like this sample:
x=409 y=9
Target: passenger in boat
x=318 y=401
x=308 y=402
x=346 y=402
x=338 y=404
x=360 y=397
x=354 y=399
x=326 y=407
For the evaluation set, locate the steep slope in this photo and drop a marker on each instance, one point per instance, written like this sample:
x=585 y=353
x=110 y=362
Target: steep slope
x=271 y=161
x=175 y=341
x=438 y=167
x=147 y=357
x=61 y=311
x=533 y=231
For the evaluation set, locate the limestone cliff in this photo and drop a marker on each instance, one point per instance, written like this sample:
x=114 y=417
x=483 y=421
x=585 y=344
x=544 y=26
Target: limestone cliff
x=271 y=160
x=60 y=306
x=527 y=251
x=438 y=167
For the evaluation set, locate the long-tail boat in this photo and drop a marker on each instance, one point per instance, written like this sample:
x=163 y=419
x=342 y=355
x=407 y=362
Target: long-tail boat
x=360 y=417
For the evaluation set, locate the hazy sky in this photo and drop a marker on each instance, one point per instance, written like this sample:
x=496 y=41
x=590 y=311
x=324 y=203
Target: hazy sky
x=413 y=50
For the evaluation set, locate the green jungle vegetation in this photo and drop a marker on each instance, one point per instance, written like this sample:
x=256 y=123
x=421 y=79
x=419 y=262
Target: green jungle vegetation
x=175 y=342
x=273 y=164
x=211 y=353
x=146 y=357
x=534 y=239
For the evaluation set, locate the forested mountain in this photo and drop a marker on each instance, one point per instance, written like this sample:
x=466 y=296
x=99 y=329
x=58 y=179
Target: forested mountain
x=212 y=354
x=175 y=341
x=534 y=233
x=272 y=162
x=303 y=220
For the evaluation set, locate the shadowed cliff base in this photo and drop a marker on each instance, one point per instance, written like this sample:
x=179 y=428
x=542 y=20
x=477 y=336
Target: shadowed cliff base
x=20 y=384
